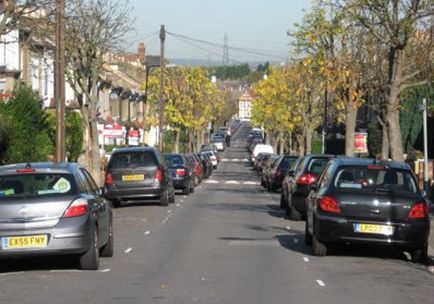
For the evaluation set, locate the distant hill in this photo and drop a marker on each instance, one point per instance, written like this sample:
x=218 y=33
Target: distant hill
x=208 y=63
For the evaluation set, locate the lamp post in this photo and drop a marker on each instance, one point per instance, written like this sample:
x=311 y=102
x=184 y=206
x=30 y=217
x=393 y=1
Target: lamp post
x=423 y=108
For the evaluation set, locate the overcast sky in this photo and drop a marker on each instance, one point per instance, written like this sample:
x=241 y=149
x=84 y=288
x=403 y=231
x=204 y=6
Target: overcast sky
x=257 y=25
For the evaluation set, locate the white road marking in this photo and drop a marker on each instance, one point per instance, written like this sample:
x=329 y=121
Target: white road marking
x=65 y=270
x=233 y=182
x=250 y=183
x=104 y=270
x=320 y=283
x=184 y=196
x=128 y=250
x=182 y=201
x=169 y=211
x=211 y=181
x=147 y=232
x=177 y=205
x=295 y=241
x=288 y=227
x=306 y=259
x=255 y=243
x=11 y=273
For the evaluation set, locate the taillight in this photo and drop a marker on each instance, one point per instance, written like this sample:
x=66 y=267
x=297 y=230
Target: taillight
x=159 y=176
x=418 y=211
x=25 y=170
x=108 y=179
x=329 y=204
x=78 y=207
x=181 y=172
x=306 y=179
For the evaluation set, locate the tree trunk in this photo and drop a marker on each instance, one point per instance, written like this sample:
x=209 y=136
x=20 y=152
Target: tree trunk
x=392 y=116
x=308 y=133
x=177 y=135
x=385 y=148
x=281 y=144
x=350 y=126
x=301 y=138
x=96 y=168
x=190 y=140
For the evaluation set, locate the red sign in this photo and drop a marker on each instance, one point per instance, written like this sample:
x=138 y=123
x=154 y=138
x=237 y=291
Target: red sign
x=361 y=143
x=113 y=131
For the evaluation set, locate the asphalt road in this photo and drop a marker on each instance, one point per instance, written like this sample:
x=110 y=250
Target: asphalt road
x=227 y=243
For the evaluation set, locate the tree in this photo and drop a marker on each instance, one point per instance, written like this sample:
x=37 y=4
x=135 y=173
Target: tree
x=403 y=26
x=28 y=139
x=92 y=28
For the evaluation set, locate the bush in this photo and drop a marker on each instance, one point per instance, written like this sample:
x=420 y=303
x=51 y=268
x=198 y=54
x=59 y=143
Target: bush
x=29 y=129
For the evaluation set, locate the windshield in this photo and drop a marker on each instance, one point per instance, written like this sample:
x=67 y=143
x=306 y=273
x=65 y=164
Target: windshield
x=37 y=184
x=365 y=178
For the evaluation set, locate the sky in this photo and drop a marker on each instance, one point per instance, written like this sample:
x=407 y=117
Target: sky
x=256 y=26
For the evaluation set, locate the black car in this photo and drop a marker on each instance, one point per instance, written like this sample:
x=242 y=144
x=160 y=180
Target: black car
x=182 y=173
x=136 y=175
x=296 y=187
x=368 y=202
x=279 y=170
x=54 y=209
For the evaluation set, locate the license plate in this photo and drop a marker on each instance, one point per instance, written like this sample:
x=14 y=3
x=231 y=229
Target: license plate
x=375 y=229
x=17 y=242
x=131 y=178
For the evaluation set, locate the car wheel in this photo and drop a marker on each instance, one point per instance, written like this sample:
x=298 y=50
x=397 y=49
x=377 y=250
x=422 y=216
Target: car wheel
x=186 y=190
x=117 y=203
x=420 y=255
x=172 y=196
x=282 y=201
x=192 y=188
x=90 y=259
x=307 y=236
x=294 y=214
x=318 y=248
x=164 y=199
x=108 y=249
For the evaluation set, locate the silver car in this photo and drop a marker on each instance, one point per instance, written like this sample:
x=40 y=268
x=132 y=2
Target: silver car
x=48 y=208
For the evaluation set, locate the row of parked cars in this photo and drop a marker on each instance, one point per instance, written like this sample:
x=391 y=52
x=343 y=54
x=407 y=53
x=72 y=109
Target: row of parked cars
x=58 y=209
x=346 y=200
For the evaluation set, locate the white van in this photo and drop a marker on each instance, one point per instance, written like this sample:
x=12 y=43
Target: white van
x=261 y=148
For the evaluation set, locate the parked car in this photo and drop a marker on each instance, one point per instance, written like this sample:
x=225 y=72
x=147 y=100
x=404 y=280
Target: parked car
x=368 y=202
x=212 y=156
x=296 y=187
x=138 y=174
x=206 y=165
x=278 y=171
x=197 y=168
x=219 y=142
x=54 y=209
x=261 y=148
x=267 y=167
x=182 y=173
x=259 y=157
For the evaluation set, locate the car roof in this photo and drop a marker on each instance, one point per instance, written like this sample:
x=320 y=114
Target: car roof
x=369 y=161
x=134 y=149
x=49 y=167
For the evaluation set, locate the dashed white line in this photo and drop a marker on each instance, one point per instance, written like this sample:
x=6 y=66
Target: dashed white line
x=128 y=250
x=320 y=283
x=177 y=205
x=147 y=232
x=169 y=211
x=211 y=181
x=104 y=270
x=306 y=259
x=288 y=227
x=234 y=182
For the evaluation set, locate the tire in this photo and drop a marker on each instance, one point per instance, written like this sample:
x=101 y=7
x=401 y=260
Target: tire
x=186 y=190
x=108 y=249
x=318 y=248
x=420 y=255
x=117 y=203
x=307 y=236
x=164 y=199
x=192 y=188
x=172 y=197
x=90 y=259
x=282 y=201
x=294 y=214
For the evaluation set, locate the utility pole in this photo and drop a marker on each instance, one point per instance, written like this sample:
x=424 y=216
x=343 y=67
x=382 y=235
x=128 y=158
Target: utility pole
x=162 y=101
x=426 y=184
x=59 y=82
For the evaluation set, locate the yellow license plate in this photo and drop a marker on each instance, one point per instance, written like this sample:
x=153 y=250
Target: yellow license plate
x=376 y=229
x=17 y=242
x=130 y=178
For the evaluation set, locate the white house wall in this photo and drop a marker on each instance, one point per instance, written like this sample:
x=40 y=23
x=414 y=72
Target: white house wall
x=10 y=51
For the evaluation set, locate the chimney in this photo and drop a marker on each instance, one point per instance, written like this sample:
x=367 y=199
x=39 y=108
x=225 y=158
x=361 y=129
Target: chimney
x=141 y=52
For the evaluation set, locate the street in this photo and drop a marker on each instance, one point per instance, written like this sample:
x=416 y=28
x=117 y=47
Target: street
x=229 y=242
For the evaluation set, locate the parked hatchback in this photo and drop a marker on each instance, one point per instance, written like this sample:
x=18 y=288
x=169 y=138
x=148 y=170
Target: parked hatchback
x=182 y=173
x=54 y=209
x=138 y=174
x=368 y=202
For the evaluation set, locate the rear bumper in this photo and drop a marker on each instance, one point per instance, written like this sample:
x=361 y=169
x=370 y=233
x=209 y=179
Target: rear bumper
x=69 y=236
x=181 y=183
x=409 y=234
x=125 y=194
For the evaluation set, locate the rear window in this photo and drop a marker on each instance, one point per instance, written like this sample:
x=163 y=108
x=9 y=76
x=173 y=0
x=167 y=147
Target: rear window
x=174 y=160
x=364 y=178
x=316 y=165
x=288 y=162
x=132 y=159
x=36 y=184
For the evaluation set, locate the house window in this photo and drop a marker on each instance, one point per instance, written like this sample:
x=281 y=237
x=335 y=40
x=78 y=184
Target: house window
x=2 y=85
